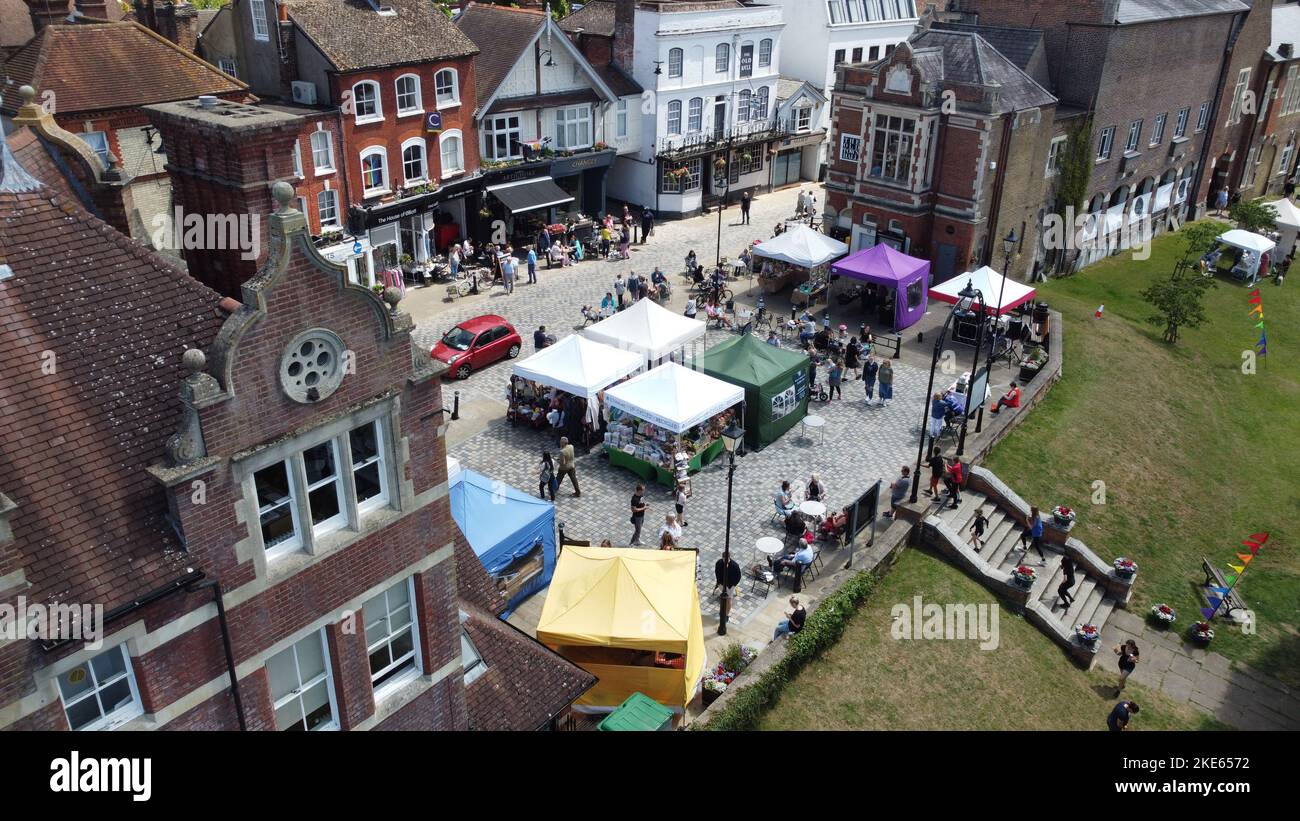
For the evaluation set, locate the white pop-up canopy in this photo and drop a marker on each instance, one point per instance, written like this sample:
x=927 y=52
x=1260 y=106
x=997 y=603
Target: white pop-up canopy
x=1288 y=224
x=673 y=397
x=1246 y=240
x=647 y=328
x=993 y=286
x=802 y=246
x=579 y=366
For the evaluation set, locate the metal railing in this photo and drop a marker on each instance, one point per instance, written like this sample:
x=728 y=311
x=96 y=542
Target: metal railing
x=681 y=145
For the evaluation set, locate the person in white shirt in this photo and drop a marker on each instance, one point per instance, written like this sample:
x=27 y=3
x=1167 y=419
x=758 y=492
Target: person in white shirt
x=670 y=527
x=681 y=504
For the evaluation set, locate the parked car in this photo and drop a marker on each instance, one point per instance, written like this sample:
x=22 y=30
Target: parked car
x=476 y=343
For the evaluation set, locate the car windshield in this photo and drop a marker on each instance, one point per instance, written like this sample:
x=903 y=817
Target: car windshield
x=458 y=339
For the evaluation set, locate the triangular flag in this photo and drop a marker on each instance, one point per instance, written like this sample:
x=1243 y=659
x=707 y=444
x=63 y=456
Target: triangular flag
x=1262 y=339
x=1258 y=309
x=1231 y=578
x=1254 y=300
x=1214 y=601
x=1254 y=550
x=1250 y=543
x=1263 y=351
x=1237 y=568
x=1222 y=591
x=1255 y=292
x=1208 y=613
x=1245 y=557
x=1260 y=324
x=1259 y=537
x=1100 y=310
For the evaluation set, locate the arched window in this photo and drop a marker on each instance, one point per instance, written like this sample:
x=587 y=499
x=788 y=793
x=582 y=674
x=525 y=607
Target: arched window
x=675 y=62
x=695 y=115
x=722 y=58
x=765 y=52
x=746 y=105
x=451 y=152
x=408 y=95
x=446 y=87
x=365 y=102
x=675 y=117
x=413 y=164
x=760 y=110
x=374 y=171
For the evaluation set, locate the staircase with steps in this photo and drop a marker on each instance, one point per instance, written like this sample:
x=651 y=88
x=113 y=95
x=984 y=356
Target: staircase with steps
x=1097 y=593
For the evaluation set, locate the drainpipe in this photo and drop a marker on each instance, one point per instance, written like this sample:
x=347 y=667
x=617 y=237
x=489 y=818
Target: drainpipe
x=215 y=586
x=996 y=211
x=1214 y=111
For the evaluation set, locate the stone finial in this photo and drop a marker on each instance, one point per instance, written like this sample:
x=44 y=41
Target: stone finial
x=392 y=296
x=194 y=360
x=28 y=94
x=186 y=445
x=282 y=192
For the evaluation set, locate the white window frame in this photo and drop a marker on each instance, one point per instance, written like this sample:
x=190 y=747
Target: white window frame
x=903 y=167
x=680 y=59
x=382 y=153
x=760 y=105
x=1238 y=94
x=1134 y=137
x=229 y=66
x=297 y=159
x=694 y=181
x=327 y=677
x=453 y=100
x=378 y=114
x=327 y=150
x=695 y=115
x=850 y=148
x=1291 y=99
x=745 y=106
x=408 y=111
x=1285 y=156
x=1158 y=129
x=803 y=118
x=443 y=139
x=295 y=542
x=765 y=60
x=835 y=10
x=415 y=142
x=384 y=689
x=257 y=13
x=722 y=58
x=472 y=664
x=621 y=118
x=339 y=520
x=1106 y=143
x=333 y=197
x=575 y=118
x=674 y=117
x=1054 y=156
x=514 y=148
x=1203 y=117
x=1180 y=125
x=108 y=720
x=99 y=144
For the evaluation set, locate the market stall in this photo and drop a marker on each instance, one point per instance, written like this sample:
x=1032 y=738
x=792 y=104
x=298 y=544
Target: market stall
x=512 y=533
x=595 y=616
x=1240 y=254
x=800 y=257
x=775 y=382
x=1288 y=225
x=573 y=368
x=893 y=279
x=667 y=423
x=649 y=329
x=991 y=284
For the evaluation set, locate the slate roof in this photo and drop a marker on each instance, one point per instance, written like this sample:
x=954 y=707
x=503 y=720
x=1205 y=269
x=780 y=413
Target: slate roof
x=33 y=155
x=206 y=16
x=787 y=87
x=1147 y=11
x=353 y=36
x=99 y=66
x=1016 y=44
x=969 y=58
x=620 y=83
x=502 y=34
x=597 y=17
x=90 y=525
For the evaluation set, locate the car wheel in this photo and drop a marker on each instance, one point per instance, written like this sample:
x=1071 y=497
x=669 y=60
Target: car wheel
x=463 y=372
x=513 y=352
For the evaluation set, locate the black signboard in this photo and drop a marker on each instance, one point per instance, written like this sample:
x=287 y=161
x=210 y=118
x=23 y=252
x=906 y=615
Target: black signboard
x=746 y=61
x=800 y=386
x=864 y=510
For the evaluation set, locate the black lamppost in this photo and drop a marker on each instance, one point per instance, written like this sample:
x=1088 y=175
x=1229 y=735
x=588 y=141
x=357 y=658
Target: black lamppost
x=966 y=295
x=1009 y=243
x=731 y=437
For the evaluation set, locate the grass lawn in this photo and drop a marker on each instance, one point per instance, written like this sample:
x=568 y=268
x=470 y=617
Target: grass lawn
x=870 y=681
x=1194 y=454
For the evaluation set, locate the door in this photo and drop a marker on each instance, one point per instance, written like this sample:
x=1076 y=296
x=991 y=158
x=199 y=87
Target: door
x=945 y=262
x=481 y=351
x=719 y=119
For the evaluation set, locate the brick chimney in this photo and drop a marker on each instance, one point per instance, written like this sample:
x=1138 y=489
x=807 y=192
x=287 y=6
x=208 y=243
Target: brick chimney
x=624 y=34
x=223 y=158
x=97 y=9
x=46 y=12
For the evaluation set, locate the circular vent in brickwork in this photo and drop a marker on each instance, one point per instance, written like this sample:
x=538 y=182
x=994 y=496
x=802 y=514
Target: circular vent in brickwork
x=312 y=366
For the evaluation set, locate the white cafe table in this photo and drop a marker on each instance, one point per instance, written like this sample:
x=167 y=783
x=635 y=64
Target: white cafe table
x=814 y=509
x=812 y=420
x=769 y=546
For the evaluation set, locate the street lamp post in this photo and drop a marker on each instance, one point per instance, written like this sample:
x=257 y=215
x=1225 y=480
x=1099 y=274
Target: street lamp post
x=978 y=295
x=1009 y=243
x=730 y=439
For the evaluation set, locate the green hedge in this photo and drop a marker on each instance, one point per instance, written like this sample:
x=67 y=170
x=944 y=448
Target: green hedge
x=823 y=629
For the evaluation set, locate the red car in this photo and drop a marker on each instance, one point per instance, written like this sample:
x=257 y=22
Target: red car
x=476 y=343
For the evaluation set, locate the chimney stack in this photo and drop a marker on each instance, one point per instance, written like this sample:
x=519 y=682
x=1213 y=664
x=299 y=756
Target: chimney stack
x=46 y=12
x=97 y=9
x=624 y=34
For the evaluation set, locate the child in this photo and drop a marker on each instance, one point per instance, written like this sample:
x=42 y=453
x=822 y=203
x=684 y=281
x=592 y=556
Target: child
x=977 y=529
x=681 y=504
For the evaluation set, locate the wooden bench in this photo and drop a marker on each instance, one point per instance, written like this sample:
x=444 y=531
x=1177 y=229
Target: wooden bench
x=1214 y=578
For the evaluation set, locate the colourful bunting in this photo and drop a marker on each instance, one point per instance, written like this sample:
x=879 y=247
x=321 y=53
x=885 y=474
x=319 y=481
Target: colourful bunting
x=1245 y=557
x=1207 y=612
x=1215 y=595
x=1222 y=591
x=1257 y=312
x=1259 y=537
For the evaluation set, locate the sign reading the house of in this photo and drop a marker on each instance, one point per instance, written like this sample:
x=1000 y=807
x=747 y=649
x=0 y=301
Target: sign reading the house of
x=746 y=61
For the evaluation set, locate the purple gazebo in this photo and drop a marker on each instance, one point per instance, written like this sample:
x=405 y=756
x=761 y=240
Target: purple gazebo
x=882 y=265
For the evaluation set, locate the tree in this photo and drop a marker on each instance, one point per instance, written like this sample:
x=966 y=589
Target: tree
x=1253 y=215
x=1178 y=301
x=1074 y=165
x=1200 y=238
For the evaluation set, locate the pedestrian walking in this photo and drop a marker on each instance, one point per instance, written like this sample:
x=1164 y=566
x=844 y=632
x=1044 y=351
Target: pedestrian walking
x=681 y=503
x=801 y=204
x=1063 y=591
x=568 y=466
x=836 y=376
x=671 y=529
x=544 y=245
x=886 y=377
x=546 y=476
x=938 y=410
x=977 y=529
x=620 y=287
x=1119 y=717
x=638 y=514
x=853 y=357
x=532 y=266
x=1221 y=201
x=1033 y=535
x=453 y=259
x=812 y=204
x=508 y=273
x=744 y=208
x=633 y=287
x=624 y=239
x=937 y=467
x=869 y=372
x=647 y=227
x=1128 y=661
x=953 y=482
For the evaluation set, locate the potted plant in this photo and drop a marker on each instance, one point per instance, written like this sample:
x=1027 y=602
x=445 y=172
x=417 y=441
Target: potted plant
x=711 y=688
x=1202 y=632
x=1088 y=634
x=1034 y=360
x=1164 y=614
x=720 y=164
x=1023 y=576
x=485 y=212
x=407 y=262
x=599 y=146
x=1063 y=515
x=378 y=288
x=1125 y=567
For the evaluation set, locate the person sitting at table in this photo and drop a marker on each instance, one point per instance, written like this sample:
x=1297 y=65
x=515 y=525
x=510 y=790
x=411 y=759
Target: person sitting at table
x=822 y=339
x=746 y=257
x=691 y=261
x=832 y=526
x=716 y=315
x=607 y=305
x=664 y=291
x=800 y=560
x=785 y=501
x=1011 y=399
x=719 y=277
x=808 y=330
x=793 y=621
x=816 y=491
x=691 y=308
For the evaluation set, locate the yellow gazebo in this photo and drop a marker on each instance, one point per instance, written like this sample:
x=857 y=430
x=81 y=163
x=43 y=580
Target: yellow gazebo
x=629 y=617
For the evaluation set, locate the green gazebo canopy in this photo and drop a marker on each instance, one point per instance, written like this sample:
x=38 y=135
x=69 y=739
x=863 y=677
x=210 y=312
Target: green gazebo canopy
x=775 y=382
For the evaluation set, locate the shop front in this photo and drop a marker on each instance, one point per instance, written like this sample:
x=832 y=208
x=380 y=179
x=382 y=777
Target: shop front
x=525 y=198
x=395 y=243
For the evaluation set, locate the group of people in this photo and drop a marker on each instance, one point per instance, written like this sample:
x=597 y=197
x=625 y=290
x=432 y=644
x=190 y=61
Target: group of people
x=846 y=358
x=543 y=408
x=670 y=532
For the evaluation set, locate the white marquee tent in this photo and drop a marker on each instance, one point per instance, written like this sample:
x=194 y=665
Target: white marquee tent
x=1247 y=241
x=579 y=366
x=990 y=283
x=1288 y=224
x=647 y=328
x=673 y=397
x=802 y=246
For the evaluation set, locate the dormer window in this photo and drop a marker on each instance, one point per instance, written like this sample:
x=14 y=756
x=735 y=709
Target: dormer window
x=803 y=118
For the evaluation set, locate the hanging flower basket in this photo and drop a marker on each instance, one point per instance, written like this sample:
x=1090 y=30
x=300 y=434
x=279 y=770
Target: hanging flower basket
x=1125 y=567
x=1087 y=633
x=1024 y=576
x=720 y=164
x=1202 y=632
x=1164 y=614
x=1063 y=515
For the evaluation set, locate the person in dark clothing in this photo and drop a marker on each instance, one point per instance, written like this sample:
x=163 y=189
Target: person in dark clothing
x=638 y=513
x=744 y=208
x=647 y=224
x=1067 y=567
x=544 y=245
x=977 y=529
x=541 y=338
x=1128 y=661
x=1119 y=717
x=1032 y=536
x=953 y=482
x=853 y=357
x=546 y=476
x=793 y=621
x=937 y=466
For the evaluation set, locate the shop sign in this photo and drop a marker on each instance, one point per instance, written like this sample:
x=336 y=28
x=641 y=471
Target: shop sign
x=585 y=162
x=433 y=122
x=746 y=61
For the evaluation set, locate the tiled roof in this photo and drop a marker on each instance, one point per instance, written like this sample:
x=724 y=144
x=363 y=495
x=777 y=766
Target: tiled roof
x=75 y=440
x=553 y=100
x=353 y=36
x=15 y=24
x=98 y=66
x=619 y=82
x=597 y=17
x=34 y=156
x=968 y=58
x=1146 y=11
x=206 y=16
x=502 y=34
x=473 y=583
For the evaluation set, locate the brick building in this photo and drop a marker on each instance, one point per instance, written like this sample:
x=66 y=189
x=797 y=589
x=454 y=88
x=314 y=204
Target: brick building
x=255 y=512
x=938 y=151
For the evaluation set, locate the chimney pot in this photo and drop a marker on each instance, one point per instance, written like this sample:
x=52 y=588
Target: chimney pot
x=207 y=101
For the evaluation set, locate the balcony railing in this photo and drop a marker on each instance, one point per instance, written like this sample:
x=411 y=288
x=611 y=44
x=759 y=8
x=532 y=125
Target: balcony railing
x=677 y=146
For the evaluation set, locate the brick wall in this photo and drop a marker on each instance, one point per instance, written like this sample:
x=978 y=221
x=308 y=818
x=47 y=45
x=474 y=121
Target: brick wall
x=1233 y=139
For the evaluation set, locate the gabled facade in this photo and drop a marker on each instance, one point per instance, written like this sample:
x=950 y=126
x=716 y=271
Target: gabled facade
x=806 y=110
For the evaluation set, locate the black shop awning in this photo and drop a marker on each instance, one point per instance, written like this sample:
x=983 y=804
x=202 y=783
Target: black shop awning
x=529 y=195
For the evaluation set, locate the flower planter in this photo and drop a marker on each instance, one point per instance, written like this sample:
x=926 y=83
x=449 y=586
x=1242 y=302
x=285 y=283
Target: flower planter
x=1163 y=615
x=1125 y=568
x=1088 y=635
x=710 y=696
x=1027 y=374
x=1024 y=577
x=1201 y=633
